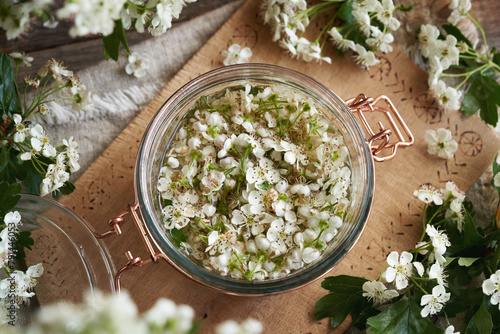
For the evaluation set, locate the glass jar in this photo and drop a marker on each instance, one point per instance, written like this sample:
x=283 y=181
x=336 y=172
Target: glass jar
x=166 y=122
x=74 y=260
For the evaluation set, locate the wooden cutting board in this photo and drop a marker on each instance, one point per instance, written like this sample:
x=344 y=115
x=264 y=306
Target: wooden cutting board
x=395 y=223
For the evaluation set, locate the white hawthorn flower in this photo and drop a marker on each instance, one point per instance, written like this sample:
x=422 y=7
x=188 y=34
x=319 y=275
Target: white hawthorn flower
x=363 y=19
x=21 y=129
x=380 y=40
x=264 y=172
x=460 y=8
x=378 y=292
x=386 y=15
x=236 y=55
x=20 y=59
x=137 y=64
x=447 y=51
x=339 y=40
x=438 y=238
x=429 y=194
x=365 y=58
x=212 y=182
x=40 y=142
x=491 y=287
x=400 y=268
x=441 y=143
x=434 y=303
x=437 y=272
x=427 y=38
x=450 y=330
x=367 y=5
x=72 y=154
x=435 y=70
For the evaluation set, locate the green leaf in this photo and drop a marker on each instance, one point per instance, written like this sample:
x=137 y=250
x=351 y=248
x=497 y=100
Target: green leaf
x=9 y=196
x=496 y=58
x=488 y=95
x=345 y=12
x=68 y=188
x=9 y=97
x=470 y=104
x=178 y=236
x=454 y=31
x=23 y=241
x=112 y=42
x=402 y=317
x=481 y=322
x=467 y=261
x=345 y=297
x=33 y=180
x=4 y=157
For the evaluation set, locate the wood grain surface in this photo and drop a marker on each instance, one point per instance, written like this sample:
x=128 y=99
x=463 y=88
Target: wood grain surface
x=395 y=223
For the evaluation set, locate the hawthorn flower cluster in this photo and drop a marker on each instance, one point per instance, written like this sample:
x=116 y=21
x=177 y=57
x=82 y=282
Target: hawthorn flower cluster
x=17 y=286
x=444 y=52
x=404 y=269
x=93 y=16
x=29 y=139
x=32 y=142
x=369 y=31
x=258 y=181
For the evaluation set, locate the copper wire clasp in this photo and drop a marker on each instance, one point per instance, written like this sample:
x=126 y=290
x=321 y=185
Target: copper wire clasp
x=380 y=141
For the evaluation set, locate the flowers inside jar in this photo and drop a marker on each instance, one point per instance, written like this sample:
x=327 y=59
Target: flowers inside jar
x=256 y=182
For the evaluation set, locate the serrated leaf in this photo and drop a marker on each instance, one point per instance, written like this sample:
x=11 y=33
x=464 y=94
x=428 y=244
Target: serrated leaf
x=454 y=31
x=402 y=317
x=9 y=97
x=467 y=261
x=470 y=104
x=9 y=197
x=481 y=322
x=345 y=297
x=488 y=96
x=112 y=42
x=178 y=236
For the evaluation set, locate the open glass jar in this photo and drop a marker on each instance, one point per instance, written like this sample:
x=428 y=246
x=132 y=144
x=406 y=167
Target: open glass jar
x=74 y=260
x=363 y=146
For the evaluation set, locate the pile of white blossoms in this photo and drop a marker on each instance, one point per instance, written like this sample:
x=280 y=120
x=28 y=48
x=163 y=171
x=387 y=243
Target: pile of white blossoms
x=290 y=19
x=17 y=286
x=402 y=268
x=258 y=180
